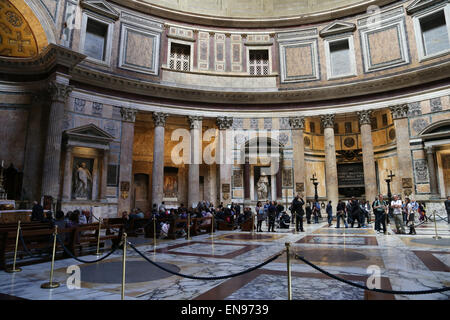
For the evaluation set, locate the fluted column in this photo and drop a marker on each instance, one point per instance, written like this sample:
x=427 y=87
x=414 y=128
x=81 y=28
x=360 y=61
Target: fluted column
x=298 y=127
x=52 y=155
x=159 y=120
x=104 y=183
x=126 y=159
x=405 y=169
x=432 y=171
x=224 y=155
x=67 y=186
x=331 y=181
x=370 y=179
x=195 y=124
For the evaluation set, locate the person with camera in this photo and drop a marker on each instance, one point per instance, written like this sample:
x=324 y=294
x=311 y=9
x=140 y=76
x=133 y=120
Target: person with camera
x=297 y=209
x=380 y=210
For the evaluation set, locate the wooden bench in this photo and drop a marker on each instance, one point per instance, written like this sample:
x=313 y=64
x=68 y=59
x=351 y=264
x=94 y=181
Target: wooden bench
x=247 y=225
x=199 y=227
x=86 y=236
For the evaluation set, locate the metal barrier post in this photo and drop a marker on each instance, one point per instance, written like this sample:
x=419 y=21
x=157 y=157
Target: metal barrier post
x=436 y=237
x=154 y=231
x=51 y=284
x=14 y=269
x=124 y=258
x=188 y=226
x=98 y=236
x=288 y=261
x=253 y=223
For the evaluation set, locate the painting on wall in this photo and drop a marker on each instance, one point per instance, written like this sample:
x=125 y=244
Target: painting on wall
x=170 y=183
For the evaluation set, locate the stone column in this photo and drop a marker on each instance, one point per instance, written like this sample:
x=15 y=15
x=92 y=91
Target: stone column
x=224 y=155
x=432 y=172
x=247 y=180
x=67 y=187
x=126 y=159
x=159 y=120
x=104 y=183
x=370 y=179
x=297 y=127
x=331 y=181
x=195 y=124
x=279 y=182
x=52 y=155
x=405 y=169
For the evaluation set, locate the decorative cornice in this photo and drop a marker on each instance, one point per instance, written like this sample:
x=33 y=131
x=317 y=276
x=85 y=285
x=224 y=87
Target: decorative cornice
x=420 y=5
x=224 y=123
x=297 y=123
x=364 y=116
x=337 y=27
x=59 y=91
x=128 y=114
x=327 y=120
x=100 y=7
x=194 y=121
x=399 y=111
x=159 y=119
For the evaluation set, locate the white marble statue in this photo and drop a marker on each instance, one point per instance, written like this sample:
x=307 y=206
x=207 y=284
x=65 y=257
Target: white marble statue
x=83 y=181
x=262 y=187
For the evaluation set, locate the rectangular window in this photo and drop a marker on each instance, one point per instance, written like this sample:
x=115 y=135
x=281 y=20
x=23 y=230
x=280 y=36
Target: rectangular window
x=95 y=40
x=340 y=58
x=112 y=178
x=336 y=128
x=434 y=33
x=374 y=123
x=259 y=62
x=384 y=119
x=348 y=127
x=312 y=127
x=180 y=57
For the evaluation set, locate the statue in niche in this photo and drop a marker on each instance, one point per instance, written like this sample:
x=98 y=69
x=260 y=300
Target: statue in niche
x=83 y=181
x=262 y=187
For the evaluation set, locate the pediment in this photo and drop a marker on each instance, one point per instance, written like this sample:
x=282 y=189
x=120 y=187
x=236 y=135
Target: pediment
x=421 y=4
x=101 y=7
x=337 y=27
x=89 y=133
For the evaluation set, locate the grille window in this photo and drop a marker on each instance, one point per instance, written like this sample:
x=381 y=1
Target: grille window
x=259 y=62
x=180 y=56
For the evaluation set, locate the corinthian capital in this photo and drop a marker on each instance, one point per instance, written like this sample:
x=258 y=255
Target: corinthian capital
x=128 y=114
x=399 y=111
x=159 y=118
x=327 y=120
x=297 y=123
x=59 y=91
x=194 y=121
x=364 y=116
x=224 y=123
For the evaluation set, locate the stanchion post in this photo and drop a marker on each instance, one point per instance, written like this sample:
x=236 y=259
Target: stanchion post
x=288 y=261
x=188 y=226
x=124 y=261
x=436 y=237
x=212 y=226
x=253 y=223
x=51 y=284
x=154 y=231
x=98 y=236
x=14 y=269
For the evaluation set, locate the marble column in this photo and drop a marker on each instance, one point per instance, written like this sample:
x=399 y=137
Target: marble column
x=126 y=159
x=104 y=183
x=297 y=127
x=279 y=182
x=52 y=155
x=370 y=179
x=331 y=181
x=195 y=124
x=67 y=187
x=432 y=172
x=405 y=169
x=246 y=180
x=225 y=161
x=159 y=120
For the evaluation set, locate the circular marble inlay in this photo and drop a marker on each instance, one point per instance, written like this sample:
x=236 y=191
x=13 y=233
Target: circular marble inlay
x=349 y=142
x=392 y=134
x=136 y=271
x=307 y=141
x=439 y=242
x=330 y=255
x=247 y=237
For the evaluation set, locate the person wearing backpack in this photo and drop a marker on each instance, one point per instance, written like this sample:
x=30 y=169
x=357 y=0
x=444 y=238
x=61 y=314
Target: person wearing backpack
x=297 y=209
x=379 y=209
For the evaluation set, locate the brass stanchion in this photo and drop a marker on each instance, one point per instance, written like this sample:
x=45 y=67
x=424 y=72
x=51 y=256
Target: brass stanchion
x=124 y=258
x=436 y=237
x=98 y=236
x=288 y=261
x=14 y=269
x=51 y=284
x=212 y=226
x=253 y=224
x=154 y=231
x=189 y=227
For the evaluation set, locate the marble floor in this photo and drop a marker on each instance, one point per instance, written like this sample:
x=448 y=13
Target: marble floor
x=404 y=262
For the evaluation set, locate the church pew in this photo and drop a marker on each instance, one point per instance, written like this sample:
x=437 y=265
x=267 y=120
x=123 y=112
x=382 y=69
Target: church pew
x=247 y=225
x=86 y=236
x=199 y=227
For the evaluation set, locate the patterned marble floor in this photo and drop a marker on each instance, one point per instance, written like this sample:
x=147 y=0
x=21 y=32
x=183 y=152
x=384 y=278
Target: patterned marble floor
x=405 y=263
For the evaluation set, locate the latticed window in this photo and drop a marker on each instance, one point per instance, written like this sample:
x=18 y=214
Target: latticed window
x=179 y=57
x=259 y=62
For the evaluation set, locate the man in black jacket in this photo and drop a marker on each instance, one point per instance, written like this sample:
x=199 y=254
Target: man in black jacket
x=297 y=209
x=355 y=212
x=308 y=213
x=272 y=214
x=447 y=208
x=37 y=213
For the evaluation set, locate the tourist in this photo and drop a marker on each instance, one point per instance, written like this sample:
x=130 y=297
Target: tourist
x=49 y=218
x=59 y=221
x=354 y=211
x=316 y=211
x=82 y=218
x=380 y=210
x=396 y=205
x=412 y=208
x=297 y=209
x=74 y=219
x=447 y=208
x=367 y=209
x=405 y=210
x=329 y=213
x=37 y=212
x=162 y=207
x=260 y=216
x=308 y=213
x=340 y=214
x=272 y=212
x=422 y=213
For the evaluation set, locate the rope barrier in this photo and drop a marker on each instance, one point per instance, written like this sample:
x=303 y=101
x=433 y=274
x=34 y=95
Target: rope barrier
x=22 y=240
x=366 y=288
x=205 y=278
x=114 y=248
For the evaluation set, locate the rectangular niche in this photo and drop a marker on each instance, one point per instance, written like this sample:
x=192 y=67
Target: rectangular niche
x=340 y=57
x=139 y=49
x=299 y=61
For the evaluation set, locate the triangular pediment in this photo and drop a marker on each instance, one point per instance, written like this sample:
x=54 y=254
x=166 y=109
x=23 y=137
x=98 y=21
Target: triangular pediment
x=89 y=132
x=421 y=4
x=337 y=27
x=101 y=7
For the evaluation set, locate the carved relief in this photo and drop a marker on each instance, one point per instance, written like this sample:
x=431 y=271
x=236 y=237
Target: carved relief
x=419 y=124
x=238 y=178
x=421 y=170
x=349 y=142
x=97 y=108
x=287 y=177
x=414 y=109
x=79 y=105
x=435 y=105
